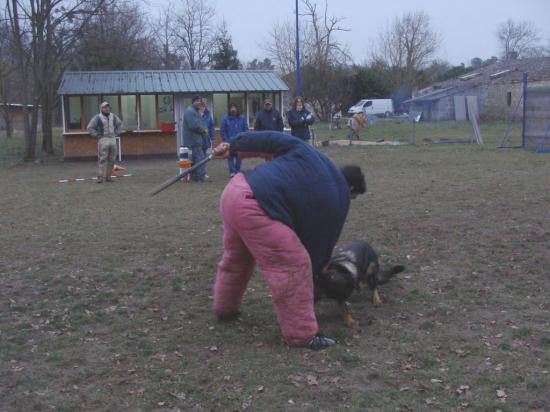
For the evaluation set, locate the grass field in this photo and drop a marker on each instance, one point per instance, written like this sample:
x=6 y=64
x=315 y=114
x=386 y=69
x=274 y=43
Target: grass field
x=105 y=293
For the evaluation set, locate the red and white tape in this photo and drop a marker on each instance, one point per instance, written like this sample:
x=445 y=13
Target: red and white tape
x=82 y=179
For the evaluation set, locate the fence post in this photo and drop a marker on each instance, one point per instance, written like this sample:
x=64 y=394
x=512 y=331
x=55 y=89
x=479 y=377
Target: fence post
x=525 y=76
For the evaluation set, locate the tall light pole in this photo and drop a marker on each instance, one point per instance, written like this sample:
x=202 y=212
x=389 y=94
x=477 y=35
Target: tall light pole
x=298 y=72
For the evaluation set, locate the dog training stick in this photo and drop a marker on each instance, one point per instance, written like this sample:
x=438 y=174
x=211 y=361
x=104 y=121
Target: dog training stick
x=174 y=179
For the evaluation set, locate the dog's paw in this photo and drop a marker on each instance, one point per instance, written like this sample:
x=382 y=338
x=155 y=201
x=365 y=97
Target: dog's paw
x=376 y=299
x=350 y=322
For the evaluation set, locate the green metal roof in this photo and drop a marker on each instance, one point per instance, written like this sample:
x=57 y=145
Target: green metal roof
x=169 y=81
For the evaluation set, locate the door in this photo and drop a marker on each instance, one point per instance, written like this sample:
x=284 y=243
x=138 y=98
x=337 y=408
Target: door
x=460 y=108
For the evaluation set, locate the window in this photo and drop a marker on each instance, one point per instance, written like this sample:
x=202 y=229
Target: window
x=509 y=98
x=220 y=107
x=166 y=108
x=74 y=113
x=129 y=112
x=148 y=112
x=91 y=108
x=254 y=106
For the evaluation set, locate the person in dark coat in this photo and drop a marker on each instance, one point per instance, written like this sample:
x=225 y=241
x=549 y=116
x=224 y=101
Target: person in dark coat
x=194 y=130
x=299 y=119
x=209 y=139
x=269 y=118
x=285 y=214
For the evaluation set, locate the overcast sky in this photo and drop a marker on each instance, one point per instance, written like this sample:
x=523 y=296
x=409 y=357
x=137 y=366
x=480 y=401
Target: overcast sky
x=467 y=27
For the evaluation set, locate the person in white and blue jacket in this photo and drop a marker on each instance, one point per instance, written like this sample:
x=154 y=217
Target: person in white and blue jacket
x=233 y=123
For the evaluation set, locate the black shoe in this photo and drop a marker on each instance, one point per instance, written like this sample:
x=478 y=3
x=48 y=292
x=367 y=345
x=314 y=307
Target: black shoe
x=320 y=342
x=99 y=179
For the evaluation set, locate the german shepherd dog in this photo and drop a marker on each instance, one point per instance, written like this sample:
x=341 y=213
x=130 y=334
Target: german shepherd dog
x=352 y=265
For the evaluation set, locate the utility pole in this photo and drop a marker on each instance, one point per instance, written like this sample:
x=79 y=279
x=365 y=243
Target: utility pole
x=298 y=72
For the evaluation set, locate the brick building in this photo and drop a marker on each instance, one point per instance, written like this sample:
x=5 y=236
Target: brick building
x=151 y=104
x=498 y=87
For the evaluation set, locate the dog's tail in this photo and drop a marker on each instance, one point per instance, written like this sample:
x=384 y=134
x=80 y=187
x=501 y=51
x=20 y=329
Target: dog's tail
x=387 y=272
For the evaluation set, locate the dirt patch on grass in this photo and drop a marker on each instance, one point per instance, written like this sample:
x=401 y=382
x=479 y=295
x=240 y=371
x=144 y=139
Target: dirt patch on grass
x=105 y=293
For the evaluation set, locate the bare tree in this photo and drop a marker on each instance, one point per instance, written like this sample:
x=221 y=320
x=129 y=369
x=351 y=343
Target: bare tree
x=407 y=46
x=118 y=37
x=322 y=55
x=194 y=32
x=166 y=38
x=518 y=39
x=7 y=77
x=280 y=46
x=321 y=41
x=44 y=34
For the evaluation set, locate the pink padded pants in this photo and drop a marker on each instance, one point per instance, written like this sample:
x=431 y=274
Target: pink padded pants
x=251 y=236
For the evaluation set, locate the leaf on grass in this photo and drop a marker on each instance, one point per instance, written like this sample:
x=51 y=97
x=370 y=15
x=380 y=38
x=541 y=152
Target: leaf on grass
x=311 y=380
x=179 y=395
x=260 y=388
x=436 y=381
x=501 y=394
x=407 y=367
x=213 y=348
x=462 y=389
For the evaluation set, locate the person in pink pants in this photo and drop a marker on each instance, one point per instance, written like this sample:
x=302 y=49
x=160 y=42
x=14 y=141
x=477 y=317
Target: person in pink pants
x=268 y=219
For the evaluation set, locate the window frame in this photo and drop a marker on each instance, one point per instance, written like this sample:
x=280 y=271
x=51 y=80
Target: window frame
x=139 y=128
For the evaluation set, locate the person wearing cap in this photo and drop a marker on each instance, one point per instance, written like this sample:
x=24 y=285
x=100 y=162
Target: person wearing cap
x=233 y=123
x=194 y=131
x=299 y=119
x=269 y=118
x=105 y=126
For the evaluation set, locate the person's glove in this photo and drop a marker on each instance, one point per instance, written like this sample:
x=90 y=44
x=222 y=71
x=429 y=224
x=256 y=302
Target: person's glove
x=309 y=119
x=204 y=132
x=208 y=151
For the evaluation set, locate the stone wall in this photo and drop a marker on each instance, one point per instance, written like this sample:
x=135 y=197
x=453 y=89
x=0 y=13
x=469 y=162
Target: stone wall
x=537 y=119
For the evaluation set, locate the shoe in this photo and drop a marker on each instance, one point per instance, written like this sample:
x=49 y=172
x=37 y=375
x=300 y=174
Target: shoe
x=320 y=342
x=99 y=179
x=232 y=174
x=110 y=180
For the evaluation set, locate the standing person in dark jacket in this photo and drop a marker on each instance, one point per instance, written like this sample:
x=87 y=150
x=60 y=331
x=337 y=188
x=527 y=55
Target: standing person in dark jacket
x=300 y=119
x=194 y=130
x=233 y=123
x=269 y=118
x=207 y=140
x=285 y=214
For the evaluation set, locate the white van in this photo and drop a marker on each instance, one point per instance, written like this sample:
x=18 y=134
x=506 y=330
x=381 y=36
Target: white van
x=379 y=107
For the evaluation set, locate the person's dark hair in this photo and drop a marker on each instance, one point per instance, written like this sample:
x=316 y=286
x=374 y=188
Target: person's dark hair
x=195 y=98
x=233 y=105
x=355 y=178
x=295 y=103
